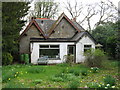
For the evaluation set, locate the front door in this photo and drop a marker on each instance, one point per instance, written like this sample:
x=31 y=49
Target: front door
x=72 y=50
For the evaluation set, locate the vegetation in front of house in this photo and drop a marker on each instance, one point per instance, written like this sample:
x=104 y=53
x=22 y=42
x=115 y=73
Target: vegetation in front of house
x=61 y=76
x=95 y=58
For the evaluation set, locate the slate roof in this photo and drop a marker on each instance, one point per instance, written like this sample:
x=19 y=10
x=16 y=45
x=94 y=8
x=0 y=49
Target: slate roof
x=45 y=24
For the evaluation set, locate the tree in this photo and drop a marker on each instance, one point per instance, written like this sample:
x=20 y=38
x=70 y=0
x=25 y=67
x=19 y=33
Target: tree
x=106 y=34
x=12 y=23
x=45 y=9
x=105 y=11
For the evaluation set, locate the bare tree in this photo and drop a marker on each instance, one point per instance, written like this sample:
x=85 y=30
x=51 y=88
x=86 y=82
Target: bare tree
x=45 y=9
x=75 y=10
x=105 y=11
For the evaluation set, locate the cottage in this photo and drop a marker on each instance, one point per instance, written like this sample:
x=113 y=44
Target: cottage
x=53 y=39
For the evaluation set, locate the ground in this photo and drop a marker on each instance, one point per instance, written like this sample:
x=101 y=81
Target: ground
x=58 y=76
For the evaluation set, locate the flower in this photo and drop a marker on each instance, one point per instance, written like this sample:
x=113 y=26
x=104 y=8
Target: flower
x=80 y=81
x=17 y=72
x=108 y=85
x=8 y=78
x=15 y=75
x=113 y=86
x=99 y=85
x=91 y=68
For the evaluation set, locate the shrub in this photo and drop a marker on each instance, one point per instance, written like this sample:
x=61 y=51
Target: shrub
x=94 y=69
x=69 y=59
x=94 y=58
x=109 y=80
x=35 y=70
x=6 y=58
x=84 y=72
x=74 y=84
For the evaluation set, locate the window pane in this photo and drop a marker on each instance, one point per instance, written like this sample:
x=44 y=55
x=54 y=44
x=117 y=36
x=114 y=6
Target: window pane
x=71 y=48
x=44 y=46
x=87 y=46
x=51 y=53
x=54 y=46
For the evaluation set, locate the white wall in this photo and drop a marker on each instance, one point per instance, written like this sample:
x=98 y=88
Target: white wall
x=35 y=50
x=80 y=48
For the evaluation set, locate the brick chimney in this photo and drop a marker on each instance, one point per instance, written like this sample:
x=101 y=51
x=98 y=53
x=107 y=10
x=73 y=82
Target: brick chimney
x=74 y=19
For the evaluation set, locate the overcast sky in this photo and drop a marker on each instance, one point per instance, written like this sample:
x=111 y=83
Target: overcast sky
x=84 y=2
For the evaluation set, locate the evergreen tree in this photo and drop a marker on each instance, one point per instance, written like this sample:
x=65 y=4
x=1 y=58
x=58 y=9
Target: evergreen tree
x=12 y=23
x=106 y=34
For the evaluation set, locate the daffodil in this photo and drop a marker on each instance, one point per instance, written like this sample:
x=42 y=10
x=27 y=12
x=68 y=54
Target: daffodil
x=113 y=86
x=8 y=78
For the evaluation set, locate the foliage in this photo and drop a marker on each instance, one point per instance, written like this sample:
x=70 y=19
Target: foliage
x=84 y=72
x=73 y=84
x=7 y=58
x=12 y=23
x=63 y=65
x=54 y=78
x=45 y=9
x=109 y=80
x=93 y=85
x=106 y=34
x=94 y=58
x=8 y=76
x=38 y=81
x=12 y=85
x=94 y=69
x=69 y=59
x=35 y=70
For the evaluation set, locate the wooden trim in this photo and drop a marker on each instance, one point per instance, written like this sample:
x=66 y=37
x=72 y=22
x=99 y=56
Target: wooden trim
x=28 y=26
x=58 y=21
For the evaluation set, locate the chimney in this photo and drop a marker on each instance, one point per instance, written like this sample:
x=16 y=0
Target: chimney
x=32 y=18
x=74 y=19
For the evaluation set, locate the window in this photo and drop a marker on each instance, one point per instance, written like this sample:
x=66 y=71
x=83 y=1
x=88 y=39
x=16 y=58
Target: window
x=71 y=49
x=87 y=47
x=51 y=51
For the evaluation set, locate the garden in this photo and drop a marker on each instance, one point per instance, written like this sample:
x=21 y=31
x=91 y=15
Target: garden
x=61 y=76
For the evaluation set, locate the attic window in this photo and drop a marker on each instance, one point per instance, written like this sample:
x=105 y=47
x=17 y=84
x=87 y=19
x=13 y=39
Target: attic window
x=42 y=21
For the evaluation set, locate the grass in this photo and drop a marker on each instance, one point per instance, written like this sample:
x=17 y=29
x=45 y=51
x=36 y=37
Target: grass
x=57 y=76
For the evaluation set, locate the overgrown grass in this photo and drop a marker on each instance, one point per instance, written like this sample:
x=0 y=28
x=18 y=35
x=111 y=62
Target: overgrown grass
x=58 y=76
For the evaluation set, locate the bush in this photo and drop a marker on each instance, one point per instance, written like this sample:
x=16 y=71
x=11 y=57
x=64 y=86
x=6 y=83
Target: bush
x=84 y=72
x=109 y=80
x=74 y=84
x=35 y=70
x=6 y=58
x=69 y=59
x=94 y=58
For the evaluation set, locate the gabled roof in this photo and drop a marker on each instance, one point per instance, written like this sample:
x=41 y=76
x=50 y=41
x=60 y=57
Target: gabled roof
x=58 y=21
x=79 y=35
x=45 y=24
x=29 y=25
